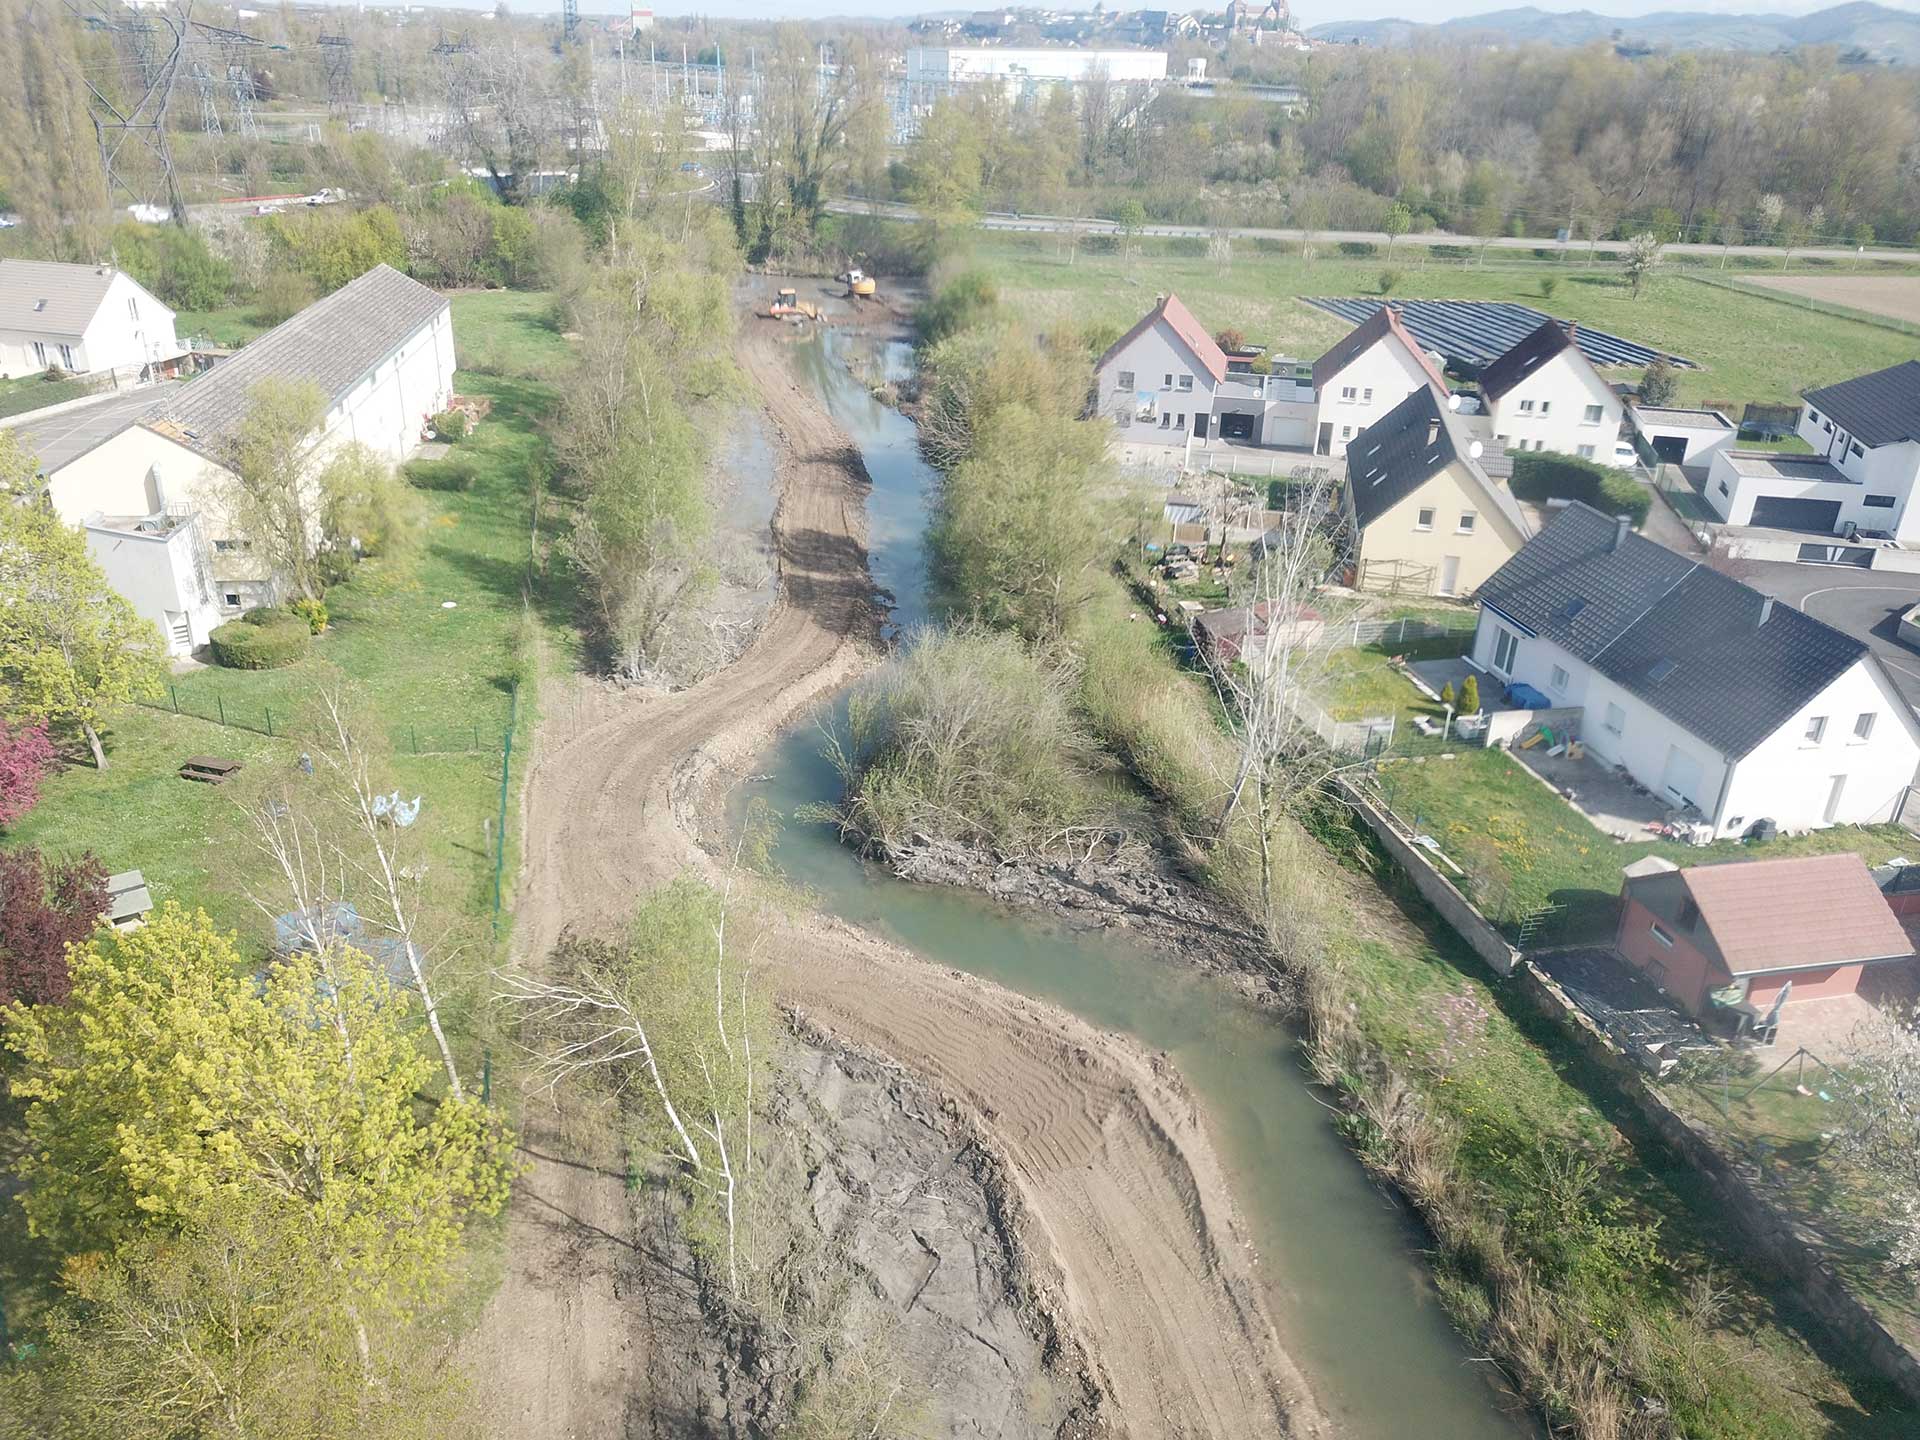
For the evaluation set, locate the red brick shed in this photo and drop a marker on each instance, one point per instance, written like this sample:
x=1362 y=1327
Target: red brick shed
x=1754 y=925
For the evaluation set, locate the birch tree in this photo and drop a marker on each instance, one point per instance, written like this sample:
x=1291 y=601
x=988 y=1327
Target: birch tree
x=669 y=1019
x=1271 y=679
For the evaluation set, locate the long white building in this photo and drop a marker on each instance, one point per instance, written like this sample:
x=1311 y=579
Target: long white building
x=380 y=353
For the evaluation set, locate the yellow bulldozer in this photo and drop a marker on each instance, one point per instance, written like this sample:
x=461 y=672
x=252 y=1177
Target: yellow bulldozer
x=787 y=305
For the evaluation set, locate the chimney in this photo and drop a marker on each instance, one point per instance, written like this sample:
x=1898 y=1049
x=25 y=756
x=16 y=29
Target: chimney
x=1766 y=608
x=1621 y=524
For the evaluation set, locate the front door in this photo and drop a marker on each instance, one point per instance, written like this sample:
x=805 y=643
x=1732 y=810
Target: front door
x=1449 y=575
x=1323 y=445
x=1834 y=792
x=1199 y=426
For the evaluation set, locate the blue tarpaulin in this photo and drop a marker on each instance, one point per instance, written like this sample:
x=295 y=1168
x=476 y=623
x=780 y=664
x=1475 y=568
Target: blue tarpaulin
x=1527 y=698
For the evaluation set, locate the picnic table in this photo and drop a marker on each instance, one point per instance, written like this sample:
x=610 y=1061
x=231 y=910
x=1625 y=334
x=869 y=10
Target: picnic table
x=210 y=769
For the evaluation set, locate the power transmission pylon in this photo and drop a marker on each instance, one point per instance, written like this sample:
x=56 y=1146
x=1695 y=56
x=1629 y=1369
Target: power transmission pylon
x=116 y=123
x=569 y=21
x=336 y=52
x=209 y=108
x=236 y=49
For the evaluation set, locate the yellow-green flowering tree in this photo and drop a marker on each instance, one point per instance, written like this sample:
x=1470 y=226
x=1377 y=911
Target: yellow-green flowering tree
x=174 y=1086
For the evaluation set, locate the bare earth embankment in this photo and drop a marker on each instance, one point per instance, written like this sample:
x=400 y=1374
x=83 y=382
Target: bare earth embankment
x=1125 y=1219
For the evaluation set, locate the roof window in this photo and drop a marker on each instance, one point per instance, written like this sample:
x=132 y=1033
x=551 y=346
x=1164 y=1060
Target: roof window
x=1573 y=607
x=38 y=306
x=1662 y=668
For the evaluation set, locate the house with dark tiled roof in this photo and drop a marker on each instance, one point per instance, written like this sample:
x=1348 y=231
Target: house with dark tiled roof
x=1427 y=501
x=1545 y=394
x=1861 y=478
x=378 y=353
x=1708 y=693
x=1370 y=370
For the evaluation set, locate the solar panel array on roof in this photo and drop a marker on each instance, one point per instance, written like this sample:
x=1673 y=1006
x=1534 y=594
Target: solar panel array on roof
x=1471 y=334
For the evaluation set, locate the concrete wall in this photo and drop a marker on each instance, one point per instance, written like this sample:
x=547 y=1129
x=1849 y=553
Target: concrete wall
x=1441 y=893
x=162 y=577
x=1559 y=393
x=1380 y=377
x=1770 y=1232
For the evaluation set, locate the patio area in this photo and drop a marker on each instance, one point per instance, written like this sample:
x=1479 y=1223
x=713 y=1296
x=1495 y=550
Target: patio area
x=1616 y=806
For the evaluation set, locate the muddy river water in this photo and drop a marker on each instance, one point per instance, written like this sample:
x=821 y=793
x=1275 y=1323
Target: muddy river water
x=1340 y=1261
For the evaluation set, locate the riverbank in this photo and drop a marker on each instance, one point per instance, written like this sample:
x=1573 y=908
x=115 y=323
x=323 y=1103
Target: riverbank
x=1125 y=1210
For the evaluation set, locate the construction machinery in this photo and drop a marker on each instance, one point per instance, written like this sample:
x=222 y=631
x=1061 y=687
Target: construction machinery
x=787 y=305
x=860 y=285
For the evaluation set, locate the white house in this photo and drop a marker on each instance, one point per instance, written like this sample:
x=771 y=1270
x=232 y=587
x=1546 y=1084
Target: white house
x=1372 y=369
x=86 y=319
x=1865 y=433
x=1682 y=437
x=1544 y=394
x=379 y=350
x=1161 y=376
x=1709 y=693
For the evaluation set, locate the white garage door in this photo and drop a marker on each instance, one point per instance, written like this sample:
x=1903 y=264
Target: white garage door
x=1682 y=777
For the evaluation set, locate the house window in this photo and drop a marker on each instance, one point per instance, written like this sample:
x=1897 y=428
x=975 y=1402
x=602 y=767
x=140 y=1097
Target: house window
x=1347 y=393
x=1124 y=380
x=1167 y=384
x=1506 y=645
x=1345 y=431
x=1853 y=449
x=1585 y=452
x=1721 y=487
x=1499 y=439
x=1813 y=415
x=230 y=599
x=40 y=354
x=1526 y=407
x=1593 y=414
x=1424 y=520
x=1186 y=385
x=1166 y=422
x=1863 y=726
x=1877 y=502
x=1368 y=394
x=1466 y=523
x=1616 y=721
x=1816 y=729
x=1660 y=935
x=66 y=358
x=1546 y=407
x=1559 y=677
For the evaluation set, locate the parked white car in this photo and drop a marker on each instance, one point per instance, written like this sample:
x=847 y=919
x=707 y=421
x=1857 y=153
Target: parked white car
x=1625 y=457
x=150 y=214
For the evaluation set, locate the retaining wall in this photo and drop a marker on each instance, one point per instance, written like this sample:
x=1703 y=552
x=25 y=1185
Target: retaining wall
x=1762 y=1225
x=1440 y=892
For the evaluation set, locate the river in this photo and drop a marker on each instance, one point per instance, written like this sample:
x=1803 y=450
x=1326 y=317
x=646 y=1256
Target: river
x=1339 y=1260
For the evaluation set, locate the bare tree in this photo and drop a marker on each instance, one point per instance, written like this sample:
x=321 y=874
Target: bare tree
x=1880 y=1110
x=1270 y=678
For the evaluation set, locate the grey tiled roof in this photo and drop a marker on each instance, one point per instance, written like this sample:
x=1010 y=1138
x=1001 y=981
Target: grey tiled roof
x=1878 y=409
x=1393 y=457
x=331 y=344
x=68 y=296
x=1636 y=610
x=1547 y=340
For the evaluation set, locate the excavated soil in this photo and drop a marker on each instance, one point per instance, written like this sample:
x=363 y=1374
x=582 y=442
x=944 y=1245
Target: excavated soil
x=1132 y=1255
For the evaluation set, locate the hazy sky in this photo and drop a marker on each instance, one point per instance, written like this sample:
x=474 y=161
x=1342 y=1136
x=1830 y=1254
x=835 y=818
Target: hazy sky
x=1308 y=12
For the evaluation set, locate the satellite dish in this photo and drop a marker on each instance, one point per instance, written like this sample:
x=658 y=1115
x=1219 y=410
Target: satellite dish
x=1475 y=450
x=1453 y=402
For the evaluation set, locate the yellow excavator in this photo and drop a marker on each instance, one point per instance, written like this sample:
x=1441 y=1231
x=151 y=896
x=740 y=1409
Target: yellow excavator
x=860 y=285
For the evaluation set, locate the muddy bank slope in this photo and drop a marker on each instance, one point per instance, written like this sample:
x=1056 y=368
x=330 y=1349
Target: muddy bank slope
x=1125 y=1208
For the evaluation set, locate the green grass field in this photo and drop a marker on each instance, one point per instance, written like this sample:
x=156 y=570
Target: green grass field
x=439 y=677
x=1751 y=348
x=1522 y=842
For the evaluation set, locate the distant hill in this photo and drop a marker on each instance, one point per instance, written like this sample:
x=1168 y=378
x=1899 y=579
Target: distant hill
x=1878 y=32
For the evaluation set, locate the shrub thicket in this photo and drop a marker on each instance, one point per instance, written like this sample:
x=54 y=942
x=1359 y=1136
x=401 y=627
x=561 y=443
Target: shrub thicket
x=1540 y=476
x=260 y=640
x=452 y=425
x=454 y=473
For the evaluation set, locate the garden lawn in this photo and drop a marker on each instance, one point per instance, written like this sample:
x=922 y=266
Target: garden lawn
x=1750 y=348
x=440 y=678
x=229 y=327
x=1524 y=847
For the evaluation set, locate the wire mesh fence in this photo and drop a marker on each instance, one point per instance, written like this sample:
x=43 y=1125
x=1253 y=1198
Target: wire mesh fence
x=437 y=736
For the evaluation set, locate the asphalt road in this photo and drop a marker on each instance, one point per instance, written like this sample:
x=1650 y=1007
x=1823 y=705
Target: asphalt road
x=1053 y=224
x=1866 y=603
x=60 y=438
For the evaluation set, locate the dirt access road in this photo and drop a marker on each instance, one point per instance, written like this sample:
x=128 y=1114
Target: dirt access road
x=1127 y=1213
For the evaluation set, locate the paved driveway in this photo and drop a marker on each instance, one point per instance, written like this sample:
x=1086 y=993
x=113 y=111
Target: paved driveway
x=70 y=434
x=1866 y=603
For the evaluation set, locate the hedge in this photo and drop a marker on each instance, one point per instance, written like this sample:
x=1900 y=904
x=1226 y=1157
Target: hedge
x=456 y=472
x=260 y=640
x=1540 y=475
